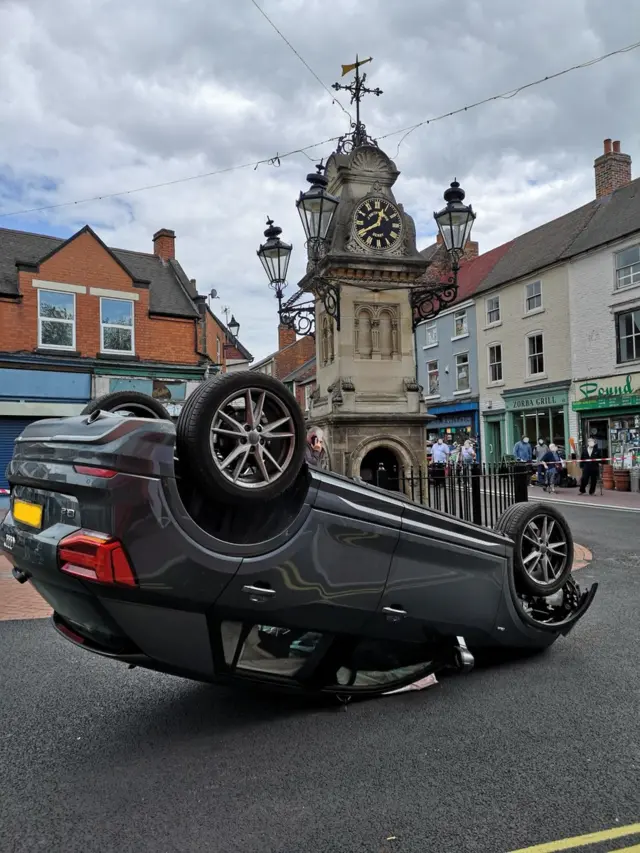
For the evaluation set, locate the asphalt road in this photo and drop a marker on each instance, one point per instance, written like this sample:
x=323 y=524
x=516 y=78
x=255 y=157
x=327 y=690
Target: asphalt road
x=94 y=757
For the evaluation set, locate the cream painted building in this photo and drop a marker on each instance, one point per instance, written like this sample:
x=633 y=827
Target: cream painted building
x=546 y=315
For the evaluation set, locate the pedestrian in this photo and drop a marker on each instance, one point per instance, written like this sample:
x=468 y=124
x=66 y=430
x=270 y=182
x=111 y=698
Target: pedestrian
x=468 y=454
x=314 y=449
x=590 y=463
x=439 y=457
x=552 y=464
x=522 y=450
x=541 y=449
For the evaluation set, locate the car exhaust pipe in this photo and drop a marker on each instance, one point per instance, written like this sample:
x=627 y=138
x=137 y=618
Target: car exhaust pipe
x=465 y=661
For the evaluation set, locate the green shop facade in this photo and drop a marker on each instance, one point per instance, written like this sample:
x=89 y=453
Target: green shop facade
x=540 y=412
x=608 y=409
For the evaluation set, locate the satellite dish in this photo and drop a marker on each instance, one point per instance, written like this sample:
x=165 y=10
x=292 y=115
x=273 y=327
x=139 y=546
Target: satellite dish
x=214 y=294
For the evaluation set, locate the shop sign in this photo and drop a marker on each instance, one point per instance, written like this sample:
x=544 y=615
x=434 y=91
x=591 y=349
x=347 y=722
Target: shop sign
x=452 y=421
x=523 y=403
x=613 y=392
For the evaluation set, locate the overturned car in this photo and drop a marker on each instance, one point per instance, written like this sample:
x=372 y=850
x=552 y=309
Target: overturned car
x=209 y=550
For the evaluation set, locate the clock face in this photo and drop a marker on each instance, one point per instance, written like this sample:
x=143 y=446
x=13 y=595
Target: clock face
x=377 y=224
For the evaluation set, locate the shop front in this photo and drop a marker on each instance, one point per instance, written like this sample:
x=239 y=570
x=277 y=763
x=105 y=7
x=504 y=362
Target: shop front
x=454 y=423
x=608 y=409
x=541 y=412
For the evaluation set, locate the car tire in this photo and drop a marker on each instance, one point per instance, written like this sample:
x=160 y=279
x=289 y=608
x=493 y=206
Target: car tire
x=543 y=547
x=130 y=404
x=227 y=450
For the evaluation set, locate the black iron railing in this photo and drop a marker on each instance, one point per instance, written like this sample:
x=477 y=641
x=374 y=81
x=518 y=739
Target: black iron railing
x=478 y=493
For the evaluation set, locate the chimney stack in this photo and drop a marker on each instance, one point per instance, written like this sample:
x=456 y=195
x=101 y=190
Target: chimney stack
x=164 y=244
x=286 y=336
x=613 y=169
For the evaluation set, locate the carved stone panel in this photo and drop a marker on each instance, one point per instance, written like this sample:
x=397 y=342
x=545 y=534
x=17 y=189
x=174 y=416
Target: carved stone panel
x=327 y=345
x=377 y=330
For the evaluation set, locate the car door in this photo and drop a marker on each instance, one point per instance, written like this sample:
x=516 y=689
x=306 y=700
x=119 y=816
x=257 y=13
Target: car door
x=445 y=579
x=330 y=575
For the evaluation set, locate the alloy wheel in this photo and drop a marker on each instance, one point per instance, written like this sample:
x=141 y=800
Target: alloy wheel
x=252 y=438
x=544 y=550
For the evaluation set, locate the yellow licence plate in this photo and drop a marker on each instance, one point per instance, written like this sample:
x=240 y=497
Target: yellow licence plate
x=27 y=513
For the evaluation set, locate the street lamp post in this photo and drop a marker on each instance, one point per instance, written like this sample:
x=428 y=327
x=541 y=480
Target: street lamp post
x=316 y=208
x=454 y=222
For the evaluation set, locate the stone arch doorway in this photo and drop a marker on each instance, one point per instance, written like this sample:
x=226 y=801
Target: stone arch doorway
x=381 y=467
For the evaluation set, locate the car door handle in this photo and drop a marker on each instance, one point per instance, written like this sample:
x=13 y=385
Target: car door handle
x=258 y=593
x=394 y=614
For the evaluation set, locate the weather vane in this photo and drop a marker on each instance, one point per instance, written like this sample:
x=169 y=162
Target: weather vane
x=357 y=90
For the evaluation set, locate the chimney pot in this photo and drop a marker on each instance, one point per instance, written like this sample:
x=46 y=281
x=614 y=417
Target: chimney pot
x=164 y=244
x=286 y=336
x=616 y=147
x=607 y=146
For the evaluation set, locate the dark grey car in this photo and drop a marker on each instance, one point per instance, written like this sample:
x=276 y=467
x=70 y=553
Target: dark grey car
x=211 y=551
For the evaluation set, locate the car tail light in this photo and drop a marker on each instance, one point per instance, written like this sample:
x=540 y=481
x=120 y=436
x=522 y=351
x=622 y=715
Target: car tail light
x=95 y=557
x=91 y=471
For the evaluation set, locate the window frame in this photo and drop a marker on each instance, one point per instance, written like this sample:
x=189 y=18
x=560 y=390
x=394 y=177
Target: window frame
x=490 y=347
x=465 y=314
x=529 y=356
x=540 y=307
x=489 y=310
x=616 y=280
x=41 y=344
x=618 y=317
x=437 y=370
x=456 y=356
x=131 y=328
x=430 y=325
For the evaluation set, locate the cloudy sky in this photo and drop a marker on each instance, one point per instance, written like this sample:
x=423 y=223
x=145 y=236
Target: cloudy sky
x=101 y=96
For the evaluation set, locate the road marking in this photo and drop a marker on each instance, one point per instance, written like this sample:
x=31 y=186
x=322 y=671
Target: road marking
x=585 y=840
x=636 y=848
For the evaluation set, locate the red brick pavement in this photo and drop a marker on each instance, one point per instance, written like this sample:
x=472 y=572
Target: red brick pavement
x=19 y=600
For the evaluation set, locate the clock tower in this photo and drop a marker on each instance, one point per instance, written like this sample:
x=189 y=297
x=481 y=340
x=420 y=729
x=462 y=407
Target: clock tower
x=367 y=400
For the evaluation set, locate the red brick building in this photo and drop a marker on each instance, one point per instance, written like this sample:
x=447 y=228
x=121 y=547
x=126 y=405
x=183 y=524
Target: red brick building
x=294 y=363
x=79 y=319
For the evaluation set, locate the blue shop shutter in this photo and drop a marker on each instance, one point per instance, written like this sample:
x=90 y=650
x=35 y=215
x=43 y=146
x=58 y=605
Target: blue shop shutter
x=10 y=429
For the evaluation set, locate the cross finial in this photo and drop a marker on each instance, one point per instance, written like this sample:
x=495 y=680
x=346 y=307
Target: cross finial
x=357 y=90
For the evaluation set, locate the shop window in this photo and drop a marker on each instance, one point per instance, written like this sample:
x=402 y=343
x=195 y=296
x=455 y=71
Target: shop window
x=56 y=319
x=628 y=336
x=462 y=371
x=460 y=324
x=535 y=354
x=431 y=330
x=495 y=363
x=533 y=296
x=628 y=267
x=493 y=310
x=116 y=325
x=433 y=378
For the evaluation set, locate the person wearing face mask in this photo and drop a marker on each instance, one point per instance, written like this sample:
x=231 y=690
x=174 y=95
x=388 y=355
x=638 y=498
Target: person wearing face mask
x=541 y=449
x=522 y=450
x=552 y=464
x=590 y=456
x=440 y=452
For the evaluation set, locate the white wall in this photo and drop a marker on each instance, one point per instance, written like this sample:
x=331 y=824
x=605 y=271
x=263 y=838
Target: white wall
x=592 y=303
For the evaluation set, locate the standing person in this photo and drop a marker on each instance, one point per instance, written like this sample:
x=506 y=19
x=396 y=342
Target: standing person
x=315 y=453
x=468 y=453
x=590 y=463
x=439 y=457
x=541 y=449
x=522 y=450
x=552 y=464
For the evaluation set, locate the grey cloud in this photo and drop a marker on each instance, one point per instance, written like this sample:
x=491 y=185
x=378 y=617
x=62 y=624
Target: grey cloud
x=105 y=95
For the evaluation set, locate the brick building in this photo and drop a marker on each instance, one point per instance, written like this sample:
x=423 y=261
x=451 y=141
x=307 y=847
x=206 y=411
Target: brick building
x=292 y=353
x=79 y=319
